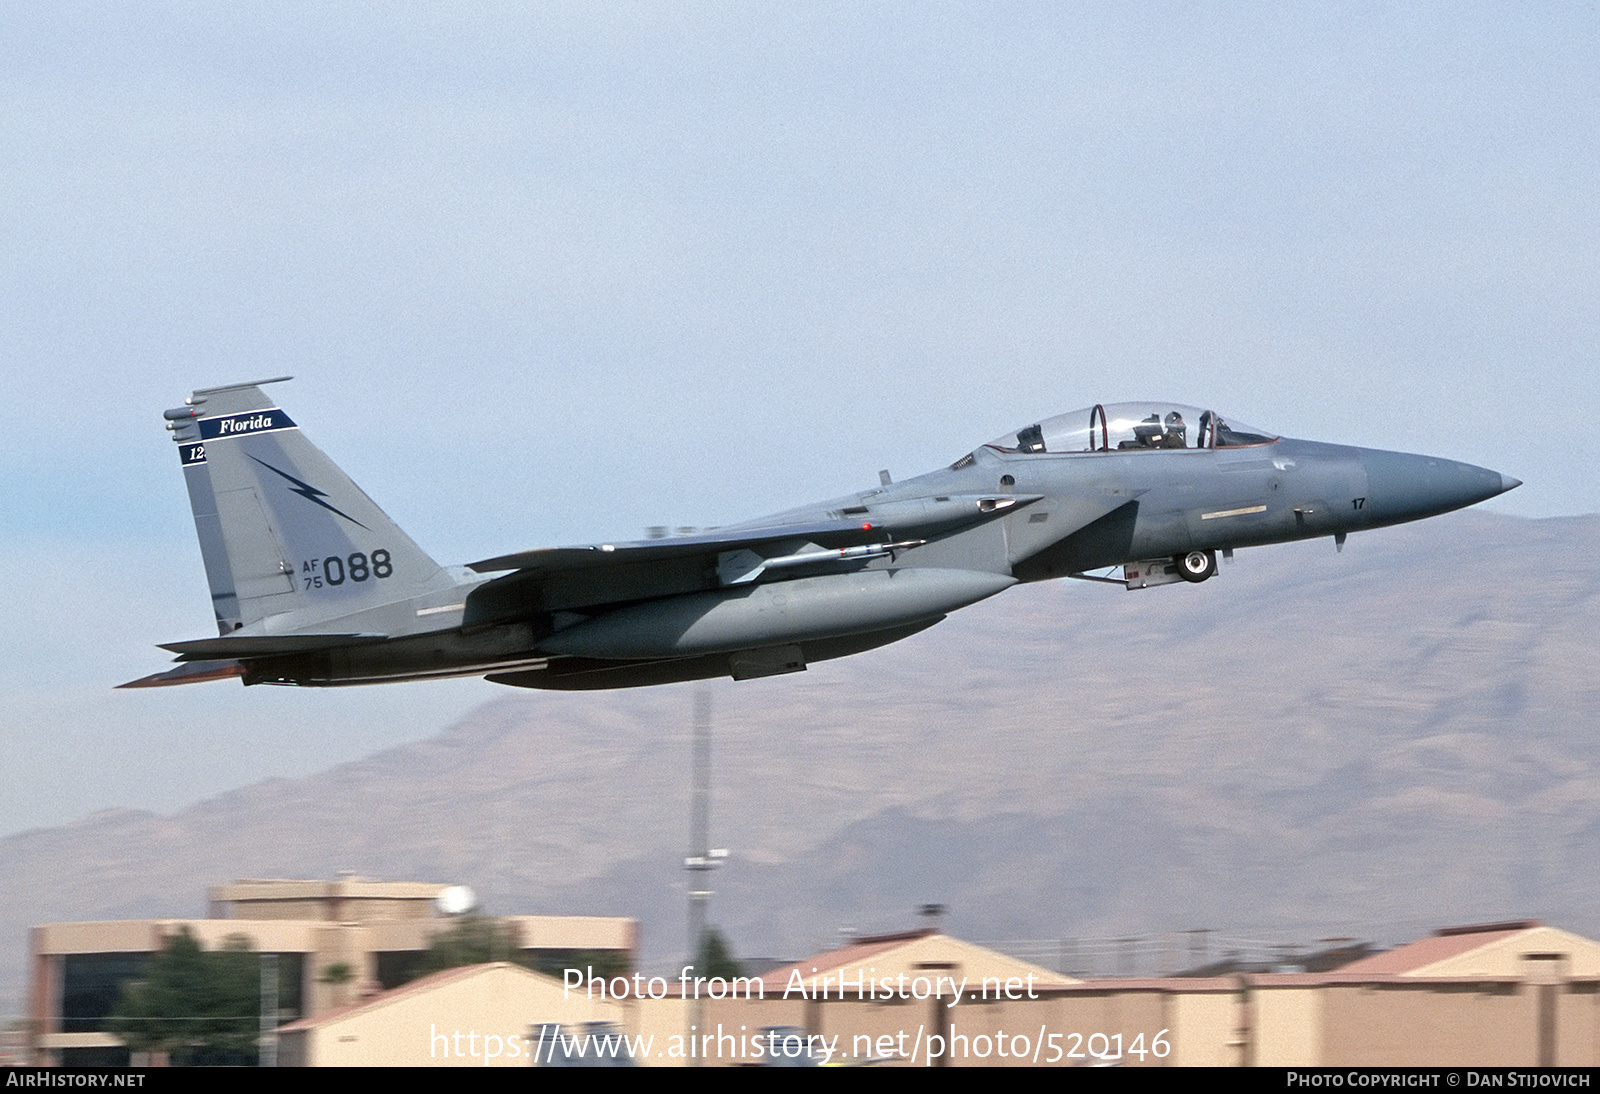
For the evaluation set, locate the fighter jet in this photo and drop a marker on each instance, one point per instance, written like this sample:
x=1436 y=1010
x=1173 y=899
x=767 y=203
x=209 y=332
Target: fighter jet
x=313 y=585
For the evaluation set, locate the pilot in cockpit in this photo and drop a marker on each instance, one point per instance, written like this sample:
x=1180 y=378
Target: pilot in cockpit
x=1152 y=432
x=1176 y=432
x=1146 y=434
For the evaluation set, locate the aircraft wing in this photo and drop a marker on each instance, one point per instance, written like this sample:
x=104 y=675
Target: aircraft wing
x=875 y=525
x=581 y=578
x=833 y=533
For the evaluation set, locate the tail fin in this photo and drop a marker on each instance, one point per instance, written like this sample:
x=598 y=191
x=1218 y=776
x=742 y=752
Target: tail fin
x=281 y=527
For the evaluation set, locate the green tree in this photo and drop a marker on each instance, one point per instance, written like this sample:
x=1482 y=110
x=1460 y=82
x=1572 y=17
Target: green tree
x=339 y=972
x=198 y=1007
x=472 y=940
x=716 y=957
x=604 y=964
x=475 y=939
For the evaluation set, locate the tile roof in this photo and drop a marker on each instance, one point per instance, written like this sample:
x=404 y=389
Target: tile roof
x=1442 y=945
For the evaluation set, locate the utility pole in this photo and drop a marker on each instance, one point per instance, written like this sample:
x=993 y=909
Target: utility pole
x=702 y=858
x=269 y=1011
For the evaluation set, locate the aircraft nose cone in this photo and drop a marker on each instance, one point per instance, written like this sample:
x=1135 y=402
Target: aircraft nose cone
x=1403 y=487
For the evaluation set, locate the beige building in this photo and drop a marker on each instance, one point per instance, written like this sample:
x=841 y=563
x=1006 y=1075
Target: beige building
x=336 y=943
x=882 y=997
x=1516 y=994
x=478 y=1016
x=921 y=998
x=1506 y=994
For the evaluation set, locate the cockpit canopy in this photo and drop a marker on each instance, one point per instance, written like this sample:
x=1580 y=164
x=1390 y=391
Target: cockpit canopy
x=1132 y=427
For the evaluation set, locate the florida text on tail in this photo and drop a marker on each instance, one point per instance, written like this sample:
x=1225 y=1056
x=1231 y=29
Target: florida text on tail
x=313 y=584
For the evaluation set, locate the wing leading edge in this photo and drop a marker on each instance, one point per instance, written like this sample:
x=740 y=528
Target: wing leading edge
x=858 y=526
x=833 y=533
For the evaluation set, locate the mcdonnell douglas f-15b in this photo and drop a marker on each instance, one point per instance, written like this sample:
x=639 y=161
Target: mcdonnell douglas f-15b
x=313 y=585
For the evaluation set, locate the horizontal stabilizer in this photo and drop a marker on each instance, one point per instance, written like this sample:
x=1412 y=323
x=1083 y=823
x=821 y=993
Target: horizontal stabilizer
x=191 y=672
x=266 y=645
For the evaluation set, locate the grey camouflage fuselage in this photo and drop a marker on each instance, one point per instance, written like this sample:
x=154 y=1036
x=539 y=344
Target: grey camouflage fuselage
x=312 y=584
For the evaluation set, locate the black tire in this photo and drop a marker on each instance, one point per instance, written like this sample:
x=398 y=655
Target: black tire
x=1196 y=566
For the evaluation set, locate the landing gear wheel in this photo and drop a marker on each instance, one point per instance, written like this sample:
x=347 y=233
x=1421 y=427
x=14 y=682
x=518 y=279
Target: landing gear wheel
x=1196 y=566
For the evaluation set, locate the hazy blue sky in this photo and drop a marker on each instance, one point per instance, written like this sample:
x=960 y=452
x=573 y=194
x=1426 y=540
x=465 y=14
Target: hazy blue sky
x=556 y=275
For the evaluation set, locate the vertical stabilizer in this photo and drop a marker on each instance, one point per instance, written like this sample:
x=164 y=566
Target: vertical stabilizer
x=281 y=528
